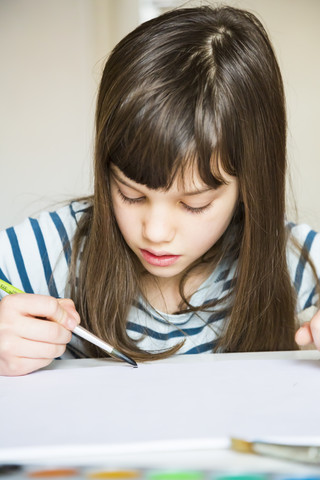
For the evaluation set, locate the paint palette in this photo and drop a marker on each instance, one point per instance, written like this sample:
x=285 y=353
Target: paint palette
x=90 y=473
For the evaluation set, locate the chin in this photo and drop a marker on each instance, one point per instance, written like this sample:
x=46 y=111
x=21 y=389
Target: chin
x=162 y=272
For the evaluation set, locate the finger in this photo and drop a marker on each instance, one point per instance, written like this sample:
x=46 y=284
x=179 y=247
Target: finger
x=67 y=303
x=41 y=306
x=69 y=306
x=41 y=330
x=21 y=347
x=22 y=366
x=303 y=336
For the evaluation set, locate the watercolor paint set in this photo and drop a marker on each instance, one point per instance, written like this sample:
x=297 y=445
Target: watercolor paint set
x=89 y=473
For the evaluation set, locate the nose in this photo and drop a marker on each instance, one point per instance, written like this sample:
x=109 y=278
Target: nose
x=158 y=225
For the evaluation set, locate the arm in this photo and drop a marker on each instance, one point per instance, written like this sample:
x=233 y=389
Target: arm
x=34 y=257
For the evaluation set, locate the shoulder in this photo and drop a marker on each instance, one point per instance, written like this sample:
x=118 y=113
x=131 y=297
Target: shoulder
x=62 y=219
x=301 y=237
x=67 y=215
x=303 y=257
x=33 y=252
x=301 y=231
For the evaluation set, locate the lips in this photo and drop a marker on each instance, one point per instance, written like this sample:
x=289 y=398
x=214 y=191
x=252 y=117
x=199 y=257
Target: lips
x=161 y=259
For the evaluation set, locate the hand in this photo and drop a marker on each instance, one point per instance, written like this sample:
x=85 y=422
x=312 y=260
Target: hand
x=34 y=329
x=309 y=332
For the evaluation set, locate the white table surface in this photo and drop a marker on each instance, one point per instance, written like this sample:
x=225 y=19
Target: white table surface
x=211 y=459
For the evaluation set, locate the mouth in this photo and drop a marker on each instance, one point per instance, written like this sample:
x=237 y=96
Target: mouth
x=161 y=259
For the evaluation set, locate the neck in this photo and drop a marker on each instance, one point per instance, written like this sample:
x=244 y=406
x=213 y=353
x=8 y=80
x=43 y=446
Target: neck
x=163 y=293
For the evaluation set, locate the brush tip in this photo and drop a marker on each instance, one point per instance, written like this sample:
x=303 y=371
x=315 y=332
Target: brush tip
x=242 y=446
x=132 y=362
x=122 y=356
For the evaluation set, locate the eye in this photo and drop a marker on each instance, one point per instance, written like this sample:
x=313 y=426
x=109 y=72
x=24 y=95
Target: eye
x=196 y=209
x=128 y=199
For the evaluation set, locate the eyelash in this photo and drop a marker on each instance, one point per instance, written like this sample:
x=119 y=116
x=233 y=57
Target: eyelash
x=194 y=210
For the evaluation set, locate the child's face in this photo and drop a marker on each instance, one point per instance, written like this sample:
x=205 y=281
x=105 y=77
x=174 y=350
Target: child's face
x=169 y=230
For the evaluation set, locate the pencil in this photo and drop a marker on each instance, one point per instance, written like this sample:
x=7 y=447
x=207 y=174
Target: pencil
x=80 y=331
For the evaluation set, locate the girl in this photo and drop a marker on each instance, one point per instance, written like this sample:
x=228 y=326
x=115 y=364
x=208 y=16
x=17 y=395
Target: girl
x=183 y=247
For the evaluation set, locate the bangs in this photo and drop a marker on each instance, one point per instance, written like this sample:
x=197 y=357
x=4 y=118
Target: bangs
x=159 y=139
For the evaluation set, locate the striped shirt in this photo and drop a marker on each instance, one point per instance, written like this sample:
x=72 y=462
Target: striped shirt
x=35 y=257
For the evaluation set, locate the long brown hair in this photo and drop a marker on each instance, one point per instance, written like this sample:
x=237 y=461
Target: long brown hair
x=197 y=86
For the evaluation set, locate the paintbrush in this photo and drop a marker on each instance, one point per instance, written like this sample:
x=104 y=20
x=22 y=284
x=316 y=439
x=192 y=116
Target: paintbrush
x=297 y=453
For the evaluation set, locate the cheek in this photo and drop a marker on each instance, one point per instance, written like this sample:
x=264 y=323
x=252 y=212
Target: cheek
x=199 y=236
x=206 y=233
x=206 y=237
x=125 y=219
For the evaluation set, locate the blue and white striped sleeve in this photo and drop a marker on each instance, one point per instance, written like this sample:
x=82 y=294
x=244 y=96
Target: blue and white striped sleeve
x=300 y=270
x=35 y=255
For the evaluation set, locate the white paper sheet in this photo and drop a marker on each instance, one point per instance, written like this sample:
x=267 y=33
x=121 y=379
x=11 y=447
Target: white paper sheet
x=160 y=405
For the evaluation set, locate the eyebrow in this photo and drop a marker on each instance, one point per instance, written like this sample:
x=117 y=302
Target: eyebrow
x=185 y=194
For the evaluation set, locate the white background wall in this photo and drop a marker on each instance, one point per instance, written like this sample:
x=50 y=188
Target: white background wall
x=52 y=53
